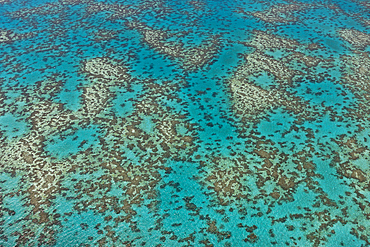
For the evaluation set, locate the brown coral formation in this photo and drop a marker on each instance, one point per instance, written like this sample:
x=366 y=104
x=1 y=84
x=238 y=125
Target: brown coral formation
x=357 y=72
x=250 y=99
x=357 y=39
x=44 y=175
x=4 y=1
x=8 y=36
x=264 y=41
x=46 y=9
x=228 y=179
x=258 y=62
x=105 y=68
x=172 y=136
x=117 y=11
x=198 y=5
x=351 y=152
x=282 y=13
x=191 y=57
x=104 y=73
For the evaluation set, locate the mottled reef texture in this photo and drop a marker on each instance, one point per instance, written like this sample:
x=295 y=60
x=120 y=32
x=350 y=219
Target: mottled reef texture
x=184 y=123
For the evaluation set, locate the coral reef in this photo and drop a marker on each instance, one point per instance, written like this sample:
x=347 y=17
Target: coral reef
x=184 y=123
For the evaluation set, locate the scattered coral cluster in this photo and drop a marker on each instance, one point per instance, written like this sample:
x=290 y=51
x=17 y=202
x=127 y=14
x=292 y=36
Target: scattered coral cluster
x=191 y=58
x=8 y=36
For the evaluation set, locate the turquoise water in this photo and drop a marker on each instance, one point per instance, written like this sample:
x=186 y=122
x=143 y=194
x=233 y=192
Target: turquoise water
x=184 y=123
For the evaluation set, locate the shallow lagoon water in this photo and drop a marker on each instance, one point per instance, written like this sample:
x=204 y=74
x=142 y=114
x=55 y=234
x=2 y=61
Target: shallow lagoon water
x=184 y=123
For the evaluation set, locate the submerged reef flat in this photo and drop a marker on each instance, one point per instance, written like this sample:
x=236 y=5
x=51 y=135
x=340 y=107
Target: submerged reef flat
x=8 y=36
x=356 y=38
x=184 y=123
x=191 y=57
x=280 y=13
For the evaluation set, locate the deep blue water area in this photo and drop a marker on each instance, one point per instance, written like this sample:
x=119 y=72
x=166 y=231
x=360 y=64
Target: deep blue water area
x=184 y=123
